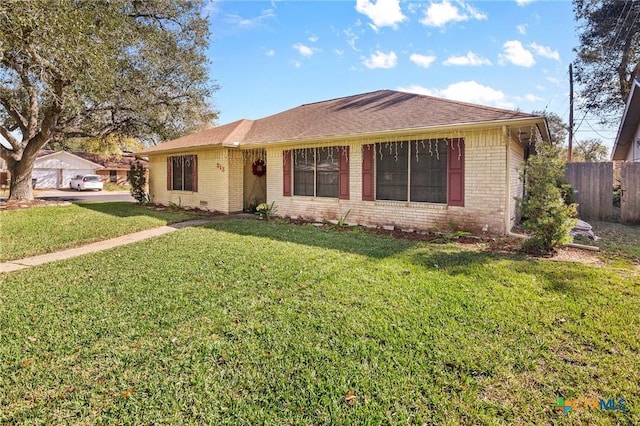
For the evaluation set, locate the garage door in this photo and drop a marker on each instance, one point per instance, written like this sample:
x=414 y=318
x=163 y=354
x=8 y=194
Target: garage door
x=47 y=178
x=69 y=174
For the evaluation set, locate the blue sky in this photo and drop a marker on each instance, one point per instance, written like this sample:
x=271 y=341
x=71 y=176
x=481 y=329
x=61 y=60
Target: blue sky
x=269 y=56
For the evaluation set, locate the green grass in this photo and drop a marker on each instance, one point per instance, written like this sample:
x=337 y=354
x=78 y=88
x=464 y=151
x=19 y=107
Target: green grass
x=34 y=231
x=247 y=322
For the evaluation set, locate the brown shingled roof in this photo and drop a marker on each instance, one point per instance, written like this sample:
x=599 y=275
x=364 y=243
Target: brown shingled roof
x=229 y=133
x=383 y=110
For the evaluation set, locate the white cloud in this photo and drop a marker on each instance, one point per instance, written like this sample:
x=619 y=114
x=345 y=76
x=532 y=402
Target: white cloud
x=338 y=52
x=522 y=28
x=524 y=2
x=381 y=60
x=440 y=14
x=296 y=64
x=383 y=13
x=422 y=60
x=313 y=38
x=248 y=23
x=469 y=59
x=270 y=52
x=530 y=98
x=545 y=51
x=351 y=39
x=465 y=91
x=305 y=51
x=515 y=53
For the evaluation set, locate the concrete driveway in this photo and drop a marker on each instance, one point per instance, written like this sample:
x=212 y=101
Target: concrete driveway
x=79 y=196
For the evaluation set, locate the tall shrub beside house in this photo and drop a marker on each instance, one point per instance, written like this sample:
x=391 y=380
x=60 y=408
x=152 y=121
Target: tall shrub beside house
x=138 y=180
x=547 y=216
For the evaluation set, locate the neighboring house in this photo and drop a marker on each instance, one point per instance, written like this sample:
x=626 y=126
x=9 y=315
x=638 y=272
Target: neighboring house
x=386 y=158
x=115 y=169
x=53 y=169
x=627 y=144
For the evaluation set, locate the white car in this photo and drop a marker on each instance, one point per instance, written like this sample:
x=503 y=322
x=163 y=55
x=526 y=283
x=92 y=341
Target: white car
x=82 y=182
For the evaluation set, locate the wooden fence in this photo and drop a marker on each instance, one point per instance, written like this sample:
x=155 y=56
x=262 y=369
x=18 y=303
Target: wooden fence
x=593 y=188
x=630 y=201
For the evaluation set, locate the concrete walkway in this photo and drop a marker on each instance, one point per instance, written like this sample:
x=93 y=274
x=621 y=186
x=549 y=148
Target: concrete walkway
x=16 y=265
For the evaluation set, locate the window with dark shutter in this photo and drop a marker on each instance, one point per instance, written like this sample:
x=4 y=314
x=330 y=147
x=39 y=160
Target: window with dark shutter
x=455 y=175
x=429 y=172
x=286 y=172
x=317 y=173
x=415 y=171
x=303 y=161
x=343 y=172
x=182 y=173
x=368 y=151
x=392 y=168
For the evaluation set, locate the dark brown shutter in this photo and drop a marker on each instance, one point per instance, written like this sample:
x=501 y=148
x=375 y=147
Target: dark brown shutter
x=368 y=151
x=169 y=170
x=343 y=174
x=194 y=174
x=455 y=173
x=286 y=169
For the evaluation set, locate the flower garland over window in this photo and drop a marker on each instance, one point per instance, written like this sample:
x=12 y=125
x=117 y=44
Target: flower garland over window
x=259 y=168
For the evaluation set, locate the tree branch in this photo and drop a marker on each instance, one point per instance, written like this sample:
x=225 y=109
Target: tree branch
x=6 y=133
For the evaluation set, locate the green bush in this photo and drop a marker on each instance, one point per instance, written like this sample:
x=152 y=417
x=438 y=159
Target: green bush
x=138 y=180
x=548 y=217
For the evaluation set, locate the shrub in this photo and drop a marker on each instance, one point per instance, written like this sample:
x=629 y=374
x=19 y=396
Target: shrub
x=547 y=215
x=267 y=211
x=138 y=180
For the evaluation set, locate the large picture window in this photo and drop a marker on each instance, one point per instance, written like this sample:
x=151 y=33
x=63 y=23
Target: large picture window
x=412 y=171
x=316 y=172
x=182 y=173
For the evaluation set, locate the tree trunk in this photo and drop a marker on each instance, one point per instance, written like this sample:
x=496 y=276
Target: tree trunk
x=20 y=187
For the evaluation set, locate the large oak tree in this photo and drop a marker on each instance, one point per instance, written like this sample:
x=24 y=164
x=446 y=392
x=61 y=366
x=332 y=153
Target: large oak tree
x=609 y=52
x=92 y=68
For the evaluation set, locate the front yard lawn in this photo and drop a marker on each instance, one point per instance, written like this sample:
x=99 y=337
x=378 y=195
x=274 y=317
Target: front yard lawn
x=34 y=231
x=247 y=322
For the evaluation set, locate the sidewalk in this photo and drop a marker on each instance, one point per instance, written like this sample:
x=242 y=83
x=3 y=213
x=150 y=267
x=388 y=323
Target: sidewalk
x=16 y=265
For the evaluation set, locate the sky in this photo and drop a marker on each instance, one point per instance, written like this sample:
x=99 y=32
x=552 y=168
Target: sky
x=269 y=56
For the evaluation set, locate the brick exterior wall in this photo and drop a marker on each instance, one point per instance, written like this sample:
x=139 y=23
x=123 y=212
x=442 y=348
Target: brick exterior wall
x=217 y=191
x=485 y=191
x=223 y=174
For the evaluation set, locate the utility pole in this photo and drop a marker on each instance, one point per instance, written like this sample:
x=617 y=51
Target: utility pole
x=570 y=151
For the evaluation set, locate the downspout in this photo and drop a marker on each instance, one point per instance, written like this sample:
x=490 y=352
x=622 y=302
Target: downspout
x=507 y=205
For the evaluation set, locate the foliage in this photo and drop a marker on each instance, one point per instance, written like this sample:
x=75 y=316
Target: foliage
x=199 y=327
x=342 y=221
x=590 y=150
x=104 y=146
x=558 y=129
x=42 y=230
x=138 y=179
x=85 y=68
x=617 y=194
x=608 y=54
x=267 y=211
x=546 y=215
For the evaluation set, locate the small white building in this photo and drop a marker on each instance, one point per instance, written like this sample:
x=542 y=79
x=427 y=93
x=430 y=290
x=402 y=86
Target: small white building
x=54 y=169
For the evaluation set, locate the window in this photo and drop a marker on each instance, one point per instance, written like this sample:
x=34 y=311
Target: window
x=113 y=176
x=316 y=171
x=182 y=173
x=412 y=171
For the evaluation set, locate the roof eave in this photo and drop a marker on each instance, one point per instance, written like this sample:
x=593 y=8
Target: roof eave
x=629 y=123
x=460 y=127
